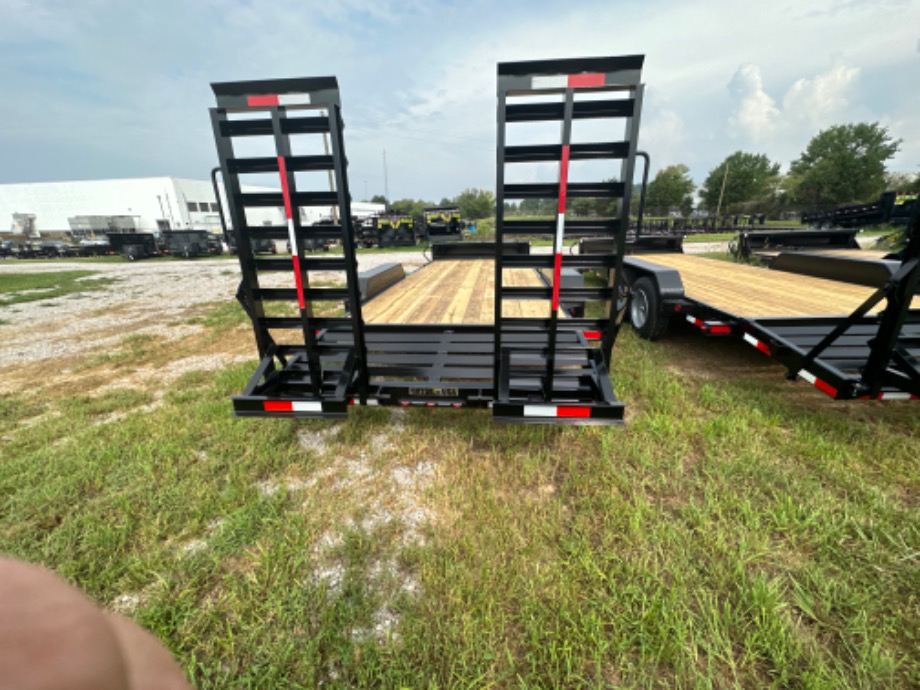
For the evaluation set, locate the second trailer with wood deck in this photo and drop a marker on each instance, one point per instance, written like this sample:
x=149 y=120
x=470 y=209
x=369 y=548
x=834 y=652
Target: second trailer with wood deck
x=849 y=326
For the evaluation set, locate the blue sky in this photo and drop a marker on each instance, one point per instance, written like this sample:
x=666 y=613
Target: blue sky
x=106 y=88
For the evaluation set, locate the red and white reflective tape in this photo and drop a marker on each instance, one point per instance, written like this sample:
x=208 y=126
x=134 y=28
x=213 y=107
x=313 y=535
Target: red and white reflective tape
x=289 y=214
x=560 y=224
x=292 y=406
x=571 y=81
x=891 y=395
x=711 y=327
x=748 y=338
x=268 y=100
x=557 y=411
x=822 y=386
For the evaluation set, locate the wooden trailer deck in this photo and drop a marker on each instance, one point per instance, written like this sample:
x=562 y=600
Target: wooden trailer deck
x=454 y=291
x=750 y=292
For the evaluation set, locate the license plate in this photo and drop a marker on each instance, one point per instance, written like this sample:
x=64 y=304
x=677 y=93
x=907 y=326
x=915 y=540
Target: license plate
x=435 y=392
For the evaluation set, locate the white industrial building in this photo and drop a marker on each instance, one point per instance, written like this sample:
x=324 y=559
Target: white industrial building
x=146 y=204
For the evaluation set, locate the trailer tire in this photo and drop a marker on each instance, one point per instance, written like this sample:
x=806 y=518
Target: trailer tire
x=645 y=310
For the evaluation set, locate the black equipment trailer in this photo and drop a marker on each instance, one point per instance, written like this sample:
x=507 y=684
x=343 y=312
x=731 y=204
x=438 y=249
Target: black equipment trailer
x=186 y=243
x=442 y=224
x=316 y=362
x=387 y=230
x=892 y=207
x=848 y=326
x=134 y=245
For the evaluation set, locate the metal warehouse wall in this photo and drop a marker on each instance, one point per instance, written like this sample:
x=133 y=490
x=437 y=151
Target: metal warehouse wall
x=52 y=203
x=183 y=202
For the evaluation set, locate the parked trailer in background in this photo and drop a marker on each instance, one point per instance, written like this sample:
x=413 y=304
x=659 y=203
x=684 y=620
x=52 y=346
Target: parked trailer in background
x=849 y=326
x=134 y=245
x=442 y=223
x=892 y=207
x=186 y=243
x=387 y=231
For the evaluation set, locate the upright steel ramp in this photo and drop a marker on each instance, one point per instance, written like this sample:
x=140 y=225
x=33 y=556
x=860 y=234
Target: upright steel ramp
x=550 y=370
x=291 y=132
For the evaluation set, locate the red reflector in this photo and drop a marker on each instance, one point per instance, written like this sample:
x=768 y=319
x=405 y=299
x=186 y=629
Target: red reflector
x=557 y=271
x=582 y=80
x=278 y=406
x=285 y=190
x=256 y=101
x=720 y=330
x=298 y=280
x=825 y=388
x=592 y=335
x=677 y=307
x=573 y=411
x=352 y=402
x=404 y=403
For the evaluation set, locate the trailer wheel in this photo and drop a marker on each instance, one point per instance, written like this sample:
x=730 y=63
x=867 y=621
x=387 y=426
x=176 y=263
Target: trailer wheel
x=645 y=310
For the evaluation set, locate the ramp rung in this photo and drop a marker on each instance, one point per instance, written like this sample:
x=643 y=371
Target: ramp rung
x=573 y=228
x=305 y=232
x=537 y=112
x=553 y=152
x=269 y=164
x=307 y=263
x=576 y=190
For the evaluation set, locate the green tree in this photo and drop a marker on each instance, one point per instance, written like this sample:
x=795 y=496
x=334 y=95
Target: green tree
x=476 y=203
x=671 y=188
x=751 y=177
x=843 y=164
x=378 y=199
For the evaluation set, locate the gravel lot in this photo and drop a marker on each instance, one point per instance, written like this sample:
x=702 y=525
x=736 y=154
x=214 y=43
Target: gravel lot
x=147 y=297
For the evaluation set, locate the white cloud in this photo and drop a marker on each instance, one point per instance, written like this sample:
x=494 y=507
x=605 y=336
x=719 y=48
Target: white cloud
x=809 y=105
x=820 y=100
x=106 y=88
x=755 y=113
x=665 y=134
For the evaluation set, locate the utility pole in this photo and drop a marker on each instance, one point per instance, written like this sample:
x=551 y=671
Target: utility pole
x=724 y=180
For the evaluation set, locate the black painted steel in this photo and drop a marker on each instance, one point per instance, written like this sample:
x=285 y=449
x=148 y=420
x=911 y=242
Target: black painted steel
x=313 y=364
x=578 y=82
x=275 y=109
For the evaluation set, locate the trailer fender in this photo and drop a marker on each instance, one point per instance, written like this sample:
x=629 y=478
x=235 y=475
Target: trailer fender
x=669 y=286
x=654 y=291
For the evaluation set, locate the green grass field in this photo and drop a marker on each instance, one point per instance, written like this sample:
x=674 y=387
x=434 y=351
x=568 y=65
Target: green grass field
x=16 y=288
x=740 y=531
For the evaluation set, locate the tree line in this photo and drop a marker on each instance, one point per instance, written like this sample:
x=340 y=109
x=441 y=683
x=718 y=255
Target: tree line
x=474 y=204
x=842 y=164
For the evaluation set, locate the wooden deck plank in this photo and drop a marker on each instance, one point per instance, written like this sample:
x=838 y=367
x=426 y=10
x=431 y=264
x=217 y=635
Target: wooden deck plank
x=453 y=292
x=751 y=292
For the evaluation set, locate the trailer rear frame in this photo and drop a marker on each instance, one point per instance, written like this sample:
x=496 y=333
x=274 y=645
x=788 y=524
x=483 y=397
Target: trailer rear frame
x=529 y=370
